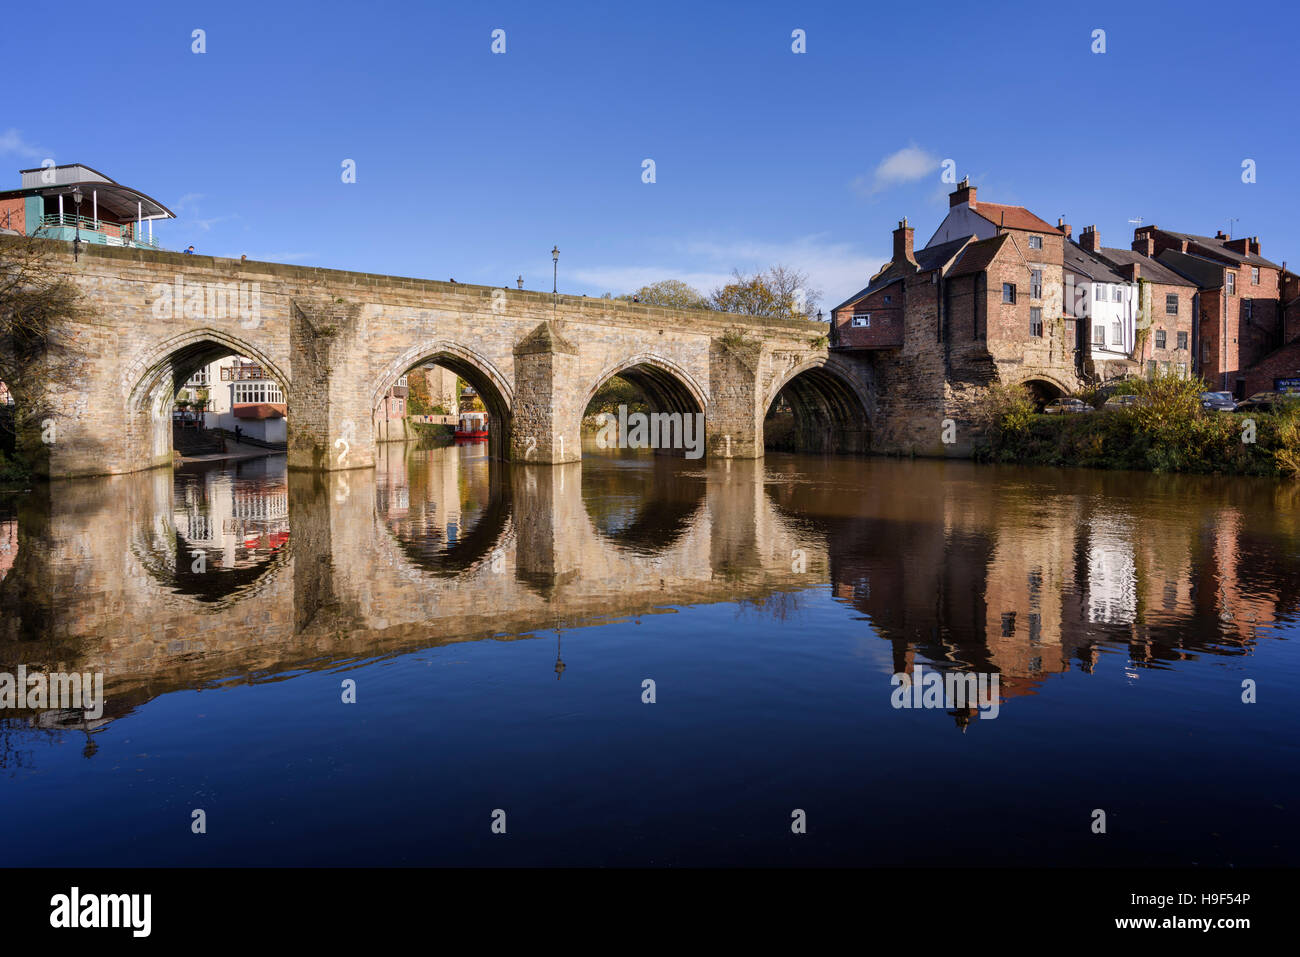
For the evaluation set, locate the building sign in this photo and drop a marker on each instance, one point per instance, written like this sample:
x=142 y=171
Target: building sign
x=1290 y=384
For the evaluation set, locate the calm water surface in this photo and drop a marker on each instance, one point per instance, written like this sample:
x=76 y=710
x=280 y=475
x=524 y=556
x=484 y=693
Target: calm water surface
x=499 y=624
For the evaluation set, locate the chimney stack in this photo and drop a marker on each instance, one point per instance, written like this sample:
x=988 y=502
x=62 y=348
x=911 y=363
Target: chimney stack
x=964 y=193
x=1144 y=241
x=903 y=243
x=1063 y=226
x=1220 y=234
x=1130 y=271
x=1089 y=240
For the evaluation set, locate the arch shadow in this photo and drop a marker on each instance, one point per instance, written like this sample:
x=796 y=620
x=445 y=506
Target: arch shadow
x=824 y=407
x=480 y=372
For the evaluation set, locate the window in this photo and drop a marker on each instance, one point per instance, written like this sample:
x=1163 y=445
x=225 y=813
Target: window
x=1117 y=333
x=1035 y=284
x=1171 y=304
x=1205 y=352
x=1098 y=291
x=1098 y=335
x=1182 y=340
x=1248 y=308
x=401 y=382
x=888 y=300
x=1035 y=242
x=1117 y=294
x=1160 y=339
x=1232 y=283
x=1254 y=275
x=862 y=320
x=1008 y=292
x=1069 y=331
x=263 y=391
x=1036 y=322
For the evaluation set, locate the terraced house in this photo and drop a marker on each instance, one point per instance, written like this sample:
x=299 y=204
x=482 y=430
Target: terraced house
x=981 y=302
x=1239 y=303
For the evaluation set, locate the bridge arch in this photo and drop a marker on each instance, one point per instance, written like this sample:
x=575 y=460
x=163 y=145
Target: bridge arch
x=1043 y=387
x=660 y=379
x=666 y=385
x=150 y=383
x=476 y=369
x=828 y=408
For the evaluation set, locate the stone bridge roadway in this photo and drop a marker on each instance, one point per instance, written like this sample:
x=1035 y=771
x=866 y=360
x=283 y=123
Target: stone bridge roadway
x=336 y=341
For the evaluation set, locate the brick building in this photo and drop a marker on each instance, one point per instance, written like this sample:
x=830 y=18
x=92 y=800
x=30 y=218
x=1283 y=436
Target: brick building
x=1167 y=304
x=1240 y=319
x=980 y=303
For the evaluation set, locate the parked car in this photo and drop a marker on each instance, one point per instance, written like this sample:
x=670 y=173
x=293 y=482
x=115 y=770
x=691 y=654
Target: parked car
x=1125 y=401
x=1218 y=402
x=1066 y=405
x=1266 y=402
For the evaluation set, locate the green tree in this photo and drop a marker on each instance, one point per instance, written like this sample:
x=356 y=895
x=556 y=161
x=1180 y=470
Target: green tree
x=780 y=292
x=672 y=293
x=418 y=401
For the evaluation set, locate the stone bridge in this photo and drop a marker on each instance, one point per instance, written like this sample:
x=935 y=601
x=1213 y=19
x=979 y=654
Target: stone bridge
x=337 y=341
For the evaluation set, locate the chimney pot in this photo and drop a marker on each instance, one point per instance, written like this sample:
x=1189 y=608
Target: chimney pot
x=964 y=193
x=903 y=243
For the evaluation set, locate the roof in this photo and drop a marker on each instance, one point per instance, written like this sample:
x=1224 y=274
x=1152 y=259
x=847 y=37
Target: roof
x=1012 y=217
x=936 y=257
x=1148 y=268
x=932 y=257
x=1203 y=272
x=977 y=256
x=260 y=410
x=118 y=201
x=1217 y=246
x=1078 y=260
x=876 y=284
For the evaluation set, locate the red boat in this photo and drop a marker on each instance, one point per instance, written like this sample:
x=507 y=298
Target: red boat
x=472 y=427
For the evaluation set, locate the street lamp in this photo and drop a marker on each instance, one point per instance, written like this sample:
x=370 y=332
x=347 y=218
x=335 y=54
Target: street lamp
x=76 y=201
x=555 y=272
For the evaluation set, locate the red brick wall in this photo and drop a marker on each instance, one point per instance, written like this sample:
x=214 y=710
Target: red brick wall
x=1172 y=325
x=13 y=214
x=1283 y=362
x=886 y=329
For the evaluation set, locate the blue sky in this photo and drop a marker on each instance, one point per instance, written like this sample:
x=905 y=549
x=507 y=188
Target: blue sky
x=471 y=165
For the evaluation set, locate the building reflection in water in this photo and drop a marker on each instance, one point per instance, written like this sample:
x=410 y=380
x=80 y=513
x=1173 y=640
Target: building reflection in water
x=167 y=582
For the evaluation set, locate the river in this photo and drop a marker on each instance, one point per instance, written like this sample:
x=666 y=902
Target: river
x=639 y=660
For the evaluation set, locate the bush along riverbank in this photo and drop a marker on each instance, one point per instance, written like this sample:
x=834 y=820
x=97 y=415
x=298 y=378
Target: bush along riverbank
x=1165 y=430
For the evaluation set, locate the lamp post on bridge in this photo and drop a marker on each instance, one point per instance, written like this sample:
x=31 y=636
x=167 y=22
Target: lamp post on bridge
x=76 y=242
x=555 y=273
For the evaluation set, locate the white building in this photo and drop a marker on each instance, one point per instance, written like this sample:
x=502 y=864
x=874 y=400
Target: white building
x=240 y=395
x=1104 y=306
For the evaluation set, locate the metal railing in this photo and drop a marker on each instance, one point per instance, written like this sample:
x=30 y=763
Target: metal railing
x=110 y=231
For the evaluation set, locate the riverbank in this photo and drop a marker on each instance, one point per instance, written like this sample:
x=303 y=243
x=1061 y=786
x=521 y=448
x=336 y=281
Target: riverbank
x=1168 y=432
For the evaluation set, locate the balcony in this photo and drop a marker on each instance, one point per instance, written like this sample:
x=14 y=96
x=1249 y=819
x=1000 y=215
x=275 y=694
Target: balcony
x=64 y=226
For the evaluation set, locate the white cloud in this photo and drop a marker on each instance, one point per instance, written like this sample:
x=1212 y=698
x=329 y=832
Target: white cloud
x=837 y=269
x=12 y=143
x=906 y=166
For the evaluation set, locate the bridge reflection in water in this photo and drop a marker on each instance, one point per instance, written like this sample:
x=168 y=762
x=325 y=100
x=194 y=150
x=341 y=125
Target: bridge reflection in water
x=771 y=600
x=166 y=582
